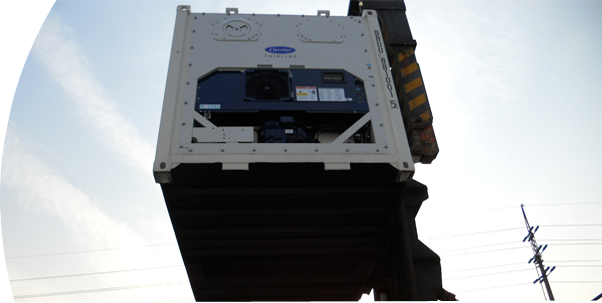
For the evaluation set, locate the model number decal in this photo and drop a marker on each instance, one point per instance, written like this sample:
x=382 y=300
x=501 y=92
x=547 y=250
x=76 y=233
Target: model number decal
x=383 y=61
x=210 y=106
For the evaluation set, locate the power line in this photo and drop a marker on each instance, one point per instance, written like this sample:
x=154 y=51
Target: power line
x=493 y=287
x=485 y=251
x=562 y=266
x=498 y=244
x=549 y=240
x=98 y=290
x=563 y=244
x=569 y=225
x=577 y=281
x=561 y=204
x=520 y=263
x=489 y=274
x=94 y=273
x=556 y=261
x=476 y=233
x=485 y=267
x=87 y=251
x=533 y=205
x=514 y=228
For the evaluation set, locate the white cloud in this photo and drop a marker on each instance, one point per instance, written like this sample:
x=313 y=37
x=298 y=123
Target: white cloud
x=39 y=188
x=69 y=68
x=43 y=190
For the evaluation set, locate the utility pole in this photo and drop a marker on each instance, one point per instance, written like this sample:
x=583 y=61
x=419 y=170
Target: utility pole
x=537 y=256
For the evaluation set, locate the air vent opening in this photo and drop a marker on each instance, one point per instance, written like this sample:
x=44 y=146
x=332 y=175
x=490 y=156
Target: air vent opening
x=267 y=85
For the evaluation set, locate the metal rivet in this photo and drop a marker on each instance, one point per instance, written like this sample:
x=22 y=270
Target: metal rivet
x=347 y=150
x=316 y=149
x=405 y=164
x=381 y=124
x=187 y=83
x=185 y=102
x=203 y=14
x=181 y=146
x=192 y=47
x=162 y=165
x=285 y=149
x=183 y=123
x=194 y=31
x=365 y=49
x=254 y=149
x=189 y=64
x=369 y=12
x=369 y=67
x=373 y=85
x=222 y=149
x=190 y=149
x=386 y=146
x=377 y=150
x=195 y=17
x=376 y=104
x=362 y=34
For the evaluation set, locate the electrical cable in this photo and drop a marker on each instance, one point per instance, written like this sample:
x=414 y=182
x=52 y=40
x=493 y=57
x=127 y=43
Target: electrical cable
x=549 y=240
x=575 y=281
x=94 y=273
x=493 y=287
x=534 y=205
x=557 y=261
x=476 y=233
x=563 y=266
x=569 y=225
x=510 y=229
x=98 y=290
x=485 y=251
x=505 y=243
x=484 y=267
x=494 y=273
x=562 y=204
x=563 y=244
x=86 y=251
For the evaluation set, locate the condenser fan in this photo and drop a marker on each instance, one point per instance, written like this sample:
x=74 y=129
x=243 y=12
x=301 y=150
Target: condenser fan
x=267 y=85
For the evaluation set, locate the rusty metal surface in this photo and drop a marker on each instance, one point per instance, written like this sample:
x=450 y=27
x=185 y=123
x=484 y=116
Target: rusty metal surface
x=424 y=143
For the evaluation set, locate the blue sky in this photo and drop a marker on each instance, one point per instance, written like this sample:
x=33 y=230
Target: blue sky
x=515 y=91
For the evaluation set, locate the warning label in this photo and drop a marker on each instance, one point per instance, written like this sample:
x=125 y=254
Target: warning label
x=306 y=93
x=332 y=94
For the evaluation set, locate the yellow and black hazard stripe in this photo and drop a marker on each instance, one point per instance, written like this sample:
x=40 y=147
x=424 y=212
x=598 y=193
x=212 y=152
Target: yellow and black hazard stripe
x=416 y=111
x=411 y=93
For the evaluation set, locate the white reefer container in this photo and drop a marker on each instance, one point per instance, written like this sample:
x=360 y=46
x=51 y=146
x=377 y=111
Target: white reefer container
x=247 y=88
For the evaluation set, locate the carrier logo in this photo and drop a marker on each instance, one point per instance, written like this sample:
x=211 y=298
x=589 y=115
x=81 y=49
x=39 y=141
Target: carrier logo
x=280 y=50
